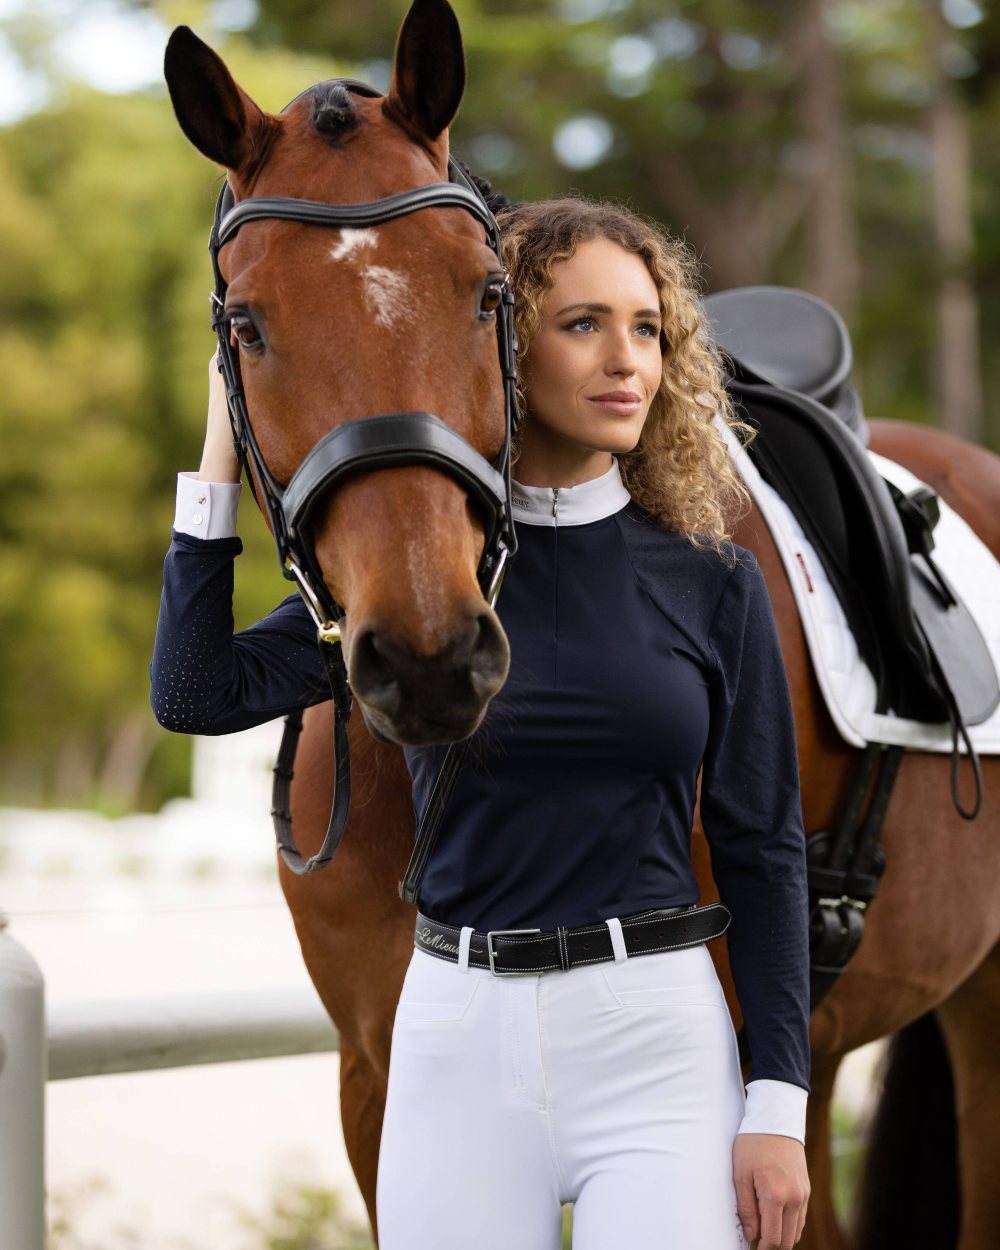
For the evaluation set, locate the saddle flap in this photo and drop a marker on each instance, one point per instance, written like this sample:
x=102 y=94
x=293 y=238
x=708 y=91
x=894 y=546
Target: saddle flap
x=958 y=647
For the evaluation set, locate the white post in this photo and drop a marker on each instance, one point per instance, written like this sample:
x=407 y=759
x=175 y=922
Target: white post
x=22 y=1097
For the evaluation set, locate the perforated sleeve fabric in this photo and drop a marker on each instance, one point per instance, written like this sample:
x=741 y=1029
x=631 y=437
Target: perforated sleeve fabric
x=204 y=679
x=752 y=817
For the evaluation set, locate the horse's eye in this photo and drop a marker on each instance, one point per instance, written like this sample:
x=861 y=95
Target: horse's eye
x=492 y=296
x=243 y=331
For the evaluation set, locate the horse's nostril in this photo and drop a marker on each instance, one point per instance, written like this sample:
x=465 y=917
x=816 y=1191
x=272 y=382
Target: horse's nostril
x=489 y=657
x=417 y=692
x=375 y=672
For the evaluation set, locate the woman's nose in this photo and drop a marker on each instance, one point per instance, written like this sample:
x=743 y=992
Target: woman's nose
x=621 y=356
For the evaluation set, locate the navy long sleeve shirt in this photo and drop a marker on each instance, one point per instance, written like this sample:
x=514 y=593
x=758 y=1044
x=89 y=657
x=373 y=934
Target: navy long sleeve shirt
x=636 y=659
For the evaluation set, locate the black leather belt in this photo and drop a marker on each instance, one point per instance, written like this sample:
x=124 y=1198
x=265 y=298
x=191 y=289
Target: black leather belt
x=510 y=952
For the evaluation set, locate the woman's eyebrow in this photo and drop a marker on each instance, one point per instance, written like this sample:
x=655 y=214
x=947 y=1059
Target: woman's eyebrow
x=606 y=308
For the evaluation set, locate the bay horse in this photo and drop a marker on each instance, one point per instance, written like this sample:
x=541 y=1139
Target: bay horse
x=399 y=549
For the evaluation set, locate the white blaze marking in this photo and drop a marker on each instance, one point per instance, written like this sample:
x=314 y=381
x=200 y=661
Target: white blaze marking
x=351 y=239
x=387 y=294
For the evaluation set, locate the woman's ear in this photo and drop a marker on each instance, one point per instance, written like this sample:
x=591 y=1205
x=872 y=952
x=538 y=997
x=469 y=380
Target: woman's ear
x=214 y=112
x=428 y=73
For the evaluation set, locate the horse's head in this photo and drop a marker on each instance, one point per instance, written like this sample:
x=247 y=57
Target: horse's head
x=334 y=324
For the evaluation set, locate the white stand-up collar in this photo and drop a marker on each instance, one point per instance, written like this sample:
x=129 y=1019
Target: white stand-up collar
x=570 y=505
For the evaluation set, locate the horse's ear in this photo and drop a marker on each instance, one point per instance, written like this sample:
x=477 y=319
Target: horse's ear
x=428 y=73
x=214 y=112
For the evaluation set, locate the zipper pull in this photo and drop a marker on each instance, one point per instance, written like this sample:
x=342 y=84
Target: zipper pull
x=555 y=501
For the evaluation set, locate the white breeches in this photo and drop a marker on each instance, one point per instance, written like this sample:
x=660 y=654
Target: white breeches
x=614 y=1086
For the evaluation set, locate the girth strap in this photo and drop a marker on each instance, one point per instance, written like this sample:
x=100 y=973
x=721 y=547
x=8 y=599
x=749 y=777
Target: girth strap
x=844 y=870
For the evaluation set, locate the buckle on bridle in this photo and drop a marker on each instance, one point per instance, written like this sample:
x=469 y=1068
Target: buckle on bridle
x=505 y=972
x=496 y=581
x=327 y=631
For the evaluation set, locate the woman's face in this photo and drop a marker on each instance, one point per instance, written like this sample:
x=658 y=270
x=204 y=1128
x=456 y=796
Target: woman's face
x=594 y=363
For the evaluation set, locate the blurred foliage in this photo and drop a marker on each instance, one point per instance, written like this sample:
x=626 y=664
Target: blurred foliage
x=847 y=1146
x=695 y=113
x=301 y=1217
x=305 y=1217
x=104 y=347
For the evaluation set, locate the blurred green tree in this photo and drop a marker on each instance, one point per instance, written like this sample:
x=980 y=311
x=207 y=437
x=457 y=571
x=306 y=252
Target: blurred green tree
x=104 y=344
x=811 y=143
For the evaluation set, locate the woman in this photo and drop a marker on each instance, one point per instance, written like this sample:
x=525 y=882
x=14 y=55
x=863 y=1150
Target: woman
x=642 y=649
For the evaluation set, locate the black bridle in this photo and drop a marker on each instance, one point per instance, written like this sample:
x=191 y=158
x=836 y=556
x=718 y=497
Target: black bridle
x=362 y=444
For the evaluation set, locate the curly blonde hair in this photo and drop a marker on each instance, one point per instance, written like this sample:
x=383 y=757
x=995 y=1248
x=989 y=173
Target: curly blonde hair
x=680 y=470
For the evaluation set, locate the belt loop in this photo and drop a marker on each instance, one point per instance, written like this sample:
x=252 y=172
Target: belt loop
x=617 y=939
x=464 y=939
x=563 y=947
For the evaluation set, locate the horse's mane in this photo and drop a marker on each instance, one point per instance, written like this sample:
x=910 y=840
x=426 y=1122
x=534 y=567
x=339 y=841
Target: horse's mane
x=495 y=200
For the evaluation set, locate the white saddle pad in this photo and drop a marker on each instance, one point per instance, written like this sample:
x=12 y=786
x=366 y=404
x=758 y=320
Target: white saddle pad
x=845 y=680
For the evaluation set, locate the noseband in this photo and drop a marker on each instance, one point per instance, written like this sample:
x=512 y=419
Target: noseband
x=361 y=444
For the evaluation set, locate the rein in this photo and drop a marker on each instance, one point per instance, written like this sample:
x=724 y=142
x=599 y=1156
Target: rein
x=361 y=444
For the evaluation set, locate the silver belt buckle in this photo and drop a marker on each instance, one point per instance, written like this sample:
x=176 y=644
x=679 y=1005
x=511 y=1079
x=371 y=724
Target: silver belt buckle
x=503 y=972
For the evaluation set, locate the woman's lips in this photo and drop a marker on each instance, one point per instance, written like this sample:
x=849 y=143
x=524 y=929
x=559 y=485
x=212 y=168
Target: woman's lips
x=624 y=407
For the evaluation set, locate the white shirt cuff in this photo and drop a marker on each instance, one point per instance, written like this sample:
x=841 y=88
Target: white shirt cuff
x=775 y=1107
x=206 y=509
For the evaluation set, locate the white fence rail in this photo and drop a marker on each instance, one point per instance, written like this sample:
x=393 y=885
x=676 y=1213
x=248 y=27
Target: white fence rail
x=125 y=1035
x=143 y=1034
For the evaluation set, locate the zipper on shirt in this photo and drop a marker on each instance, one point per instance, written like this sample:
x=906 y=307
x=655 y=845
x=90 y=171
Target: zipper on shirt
x=555 y=584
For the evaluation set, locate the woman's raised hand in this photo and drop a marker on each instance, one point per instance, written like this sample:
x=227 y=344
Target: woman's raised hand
x=219 y=462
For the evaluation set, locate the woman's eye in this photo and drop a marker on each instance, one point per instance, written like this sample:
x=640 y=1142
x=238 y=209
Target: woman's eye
x=492 y=296
x=580 y=321
x=652 y=331
x=243 y=331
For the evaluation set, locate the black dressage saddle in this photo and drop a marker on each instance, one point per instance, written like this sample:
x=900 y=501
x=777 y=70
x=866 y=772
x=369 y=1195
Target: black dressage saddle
x=791 y=357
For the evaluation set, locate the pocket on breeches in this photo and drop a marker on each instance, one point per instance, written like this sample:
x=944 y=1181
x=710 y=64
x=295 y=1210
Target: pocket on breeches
x=435 y=992
x=682 y=978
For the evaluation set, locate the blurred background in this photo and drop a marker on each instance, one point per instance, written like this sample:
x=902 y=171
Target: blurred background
x=849 y=147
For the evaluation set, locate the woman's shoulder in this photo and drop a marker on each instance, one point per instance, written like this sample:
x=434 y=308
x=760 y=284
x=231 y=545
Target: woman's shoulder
x=649 y=537
x=685 y=580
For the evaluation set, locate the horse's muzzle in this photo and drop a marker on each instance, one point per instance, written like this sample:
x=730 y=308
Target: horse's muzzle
x=419 y=700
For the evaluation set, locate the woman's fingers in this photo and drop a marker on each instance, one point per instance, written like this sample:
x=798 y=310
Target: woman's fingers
x=801 y=1222
x=746 y=1203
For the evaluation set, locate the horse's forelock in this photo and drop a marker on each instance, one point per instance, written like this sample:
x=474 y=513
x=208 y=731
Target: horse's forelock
x=333 y=109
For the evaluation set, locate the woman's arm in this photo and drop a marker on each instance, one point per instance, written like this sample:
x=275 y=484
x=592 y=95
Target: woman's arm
x=752 y=816
x=203 y=678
